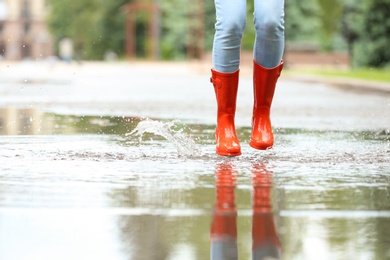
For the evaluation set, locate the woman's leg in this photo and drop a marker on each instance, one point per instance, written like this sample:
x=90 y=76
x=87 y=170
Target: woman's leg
x=269 y=24
x=267 y=66
x=231 y=21
x=231 y=17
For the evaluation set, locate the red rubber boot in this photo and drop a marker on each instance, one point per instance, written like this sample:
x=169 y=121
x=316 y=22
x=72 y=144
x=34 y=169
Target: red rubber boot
x=264 y=82
x=226 y=87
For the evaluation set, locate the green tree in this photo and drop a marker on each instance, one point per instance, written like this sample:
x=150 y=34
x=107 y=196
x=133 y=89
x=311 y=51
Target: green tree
x=178 y=17
x=112 y=27
x=372 y=48
x=352 y=24
x=329 y=15
x=209 y=23
x=97 y=26
x=301 y=21
x=174 y=29
x=77 y=20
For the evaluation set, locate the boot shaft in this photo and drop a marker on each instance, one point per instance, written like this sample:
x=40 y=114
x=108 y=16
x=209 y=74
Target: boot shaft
x=225 y=87
x=264 y=83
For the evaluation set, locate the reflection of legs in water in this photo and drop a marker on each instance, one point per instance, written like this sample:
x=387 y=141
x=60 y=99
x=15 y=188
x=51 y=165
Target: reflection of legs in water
x=265 y=241
x=223 y=231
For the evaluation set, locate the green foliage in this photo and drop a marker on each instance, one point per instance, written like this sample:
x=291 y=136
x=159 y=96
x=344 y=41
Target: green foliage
x=329 y=14
x=112 y=27
x=316 y=22
x=301 y=21
x=95 y=26
x=209 y=23
x=352 y=22
x=174 y=29
x=177 y=17
x=60 y=11
x=250 y=32
x=77 y=20
x=98 y=26
x=372 y=48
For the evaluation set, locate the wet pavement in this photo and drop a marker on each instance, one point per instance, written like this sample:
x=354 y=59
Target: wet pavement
x=116 y=161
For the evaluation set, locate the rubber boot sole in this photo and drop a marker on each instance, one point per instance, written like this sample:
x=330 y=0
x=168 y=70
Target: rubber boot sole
x=260 y=147
x=230 y=154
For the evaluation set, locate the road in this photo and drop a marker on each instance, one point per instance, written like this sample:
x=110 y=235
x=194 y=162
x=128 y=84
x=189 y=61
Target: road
x=75 y=185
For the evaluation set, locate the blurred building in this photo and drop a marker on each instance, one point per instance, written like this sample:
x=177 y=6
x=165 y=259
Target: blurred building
x=23 y=31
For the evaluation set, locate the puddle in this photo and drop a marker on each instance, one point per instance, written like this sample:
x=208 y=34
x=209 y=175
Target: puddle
x=154 y=189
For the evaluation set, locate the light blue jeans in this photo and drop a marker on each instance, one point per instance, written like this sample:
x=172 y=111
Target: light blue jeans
x=231 y=21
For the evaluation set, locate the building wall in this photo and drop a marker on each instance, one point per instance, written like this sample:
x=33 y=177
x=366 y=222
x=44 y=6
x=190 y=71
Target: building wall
x=23 y=32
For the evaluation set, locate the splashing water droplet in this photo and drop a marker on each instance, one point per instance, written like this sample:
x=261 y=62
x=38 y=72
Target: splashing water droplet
x=184 y=145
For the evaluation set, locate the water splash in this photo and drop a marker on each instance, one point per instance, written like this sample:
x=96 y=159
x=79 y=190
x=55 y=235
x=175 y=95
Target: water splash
x=184 y=145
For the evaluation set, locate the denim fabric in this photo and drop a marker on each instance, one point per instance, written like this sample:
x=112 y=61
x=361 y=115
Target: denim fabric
x=229 y=27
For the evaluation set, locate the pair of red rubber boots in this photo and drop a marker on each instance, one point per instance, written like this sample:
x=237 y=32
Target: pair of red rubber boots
x=226 y=86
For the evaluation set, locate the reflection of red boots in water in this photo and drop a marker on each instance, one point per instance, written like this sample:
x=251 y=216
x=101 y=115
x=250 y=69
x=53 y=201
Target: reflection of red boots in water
x=265 y=241
x=224 y=227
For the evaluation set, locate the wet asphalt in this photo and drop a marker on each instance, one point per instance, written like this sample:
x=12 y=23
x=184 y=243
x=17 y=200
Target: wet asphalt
x=117 y=161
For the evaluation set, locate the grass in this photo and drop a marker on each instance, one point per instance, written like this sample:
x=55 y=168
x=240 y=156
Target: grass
x=371 y=74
